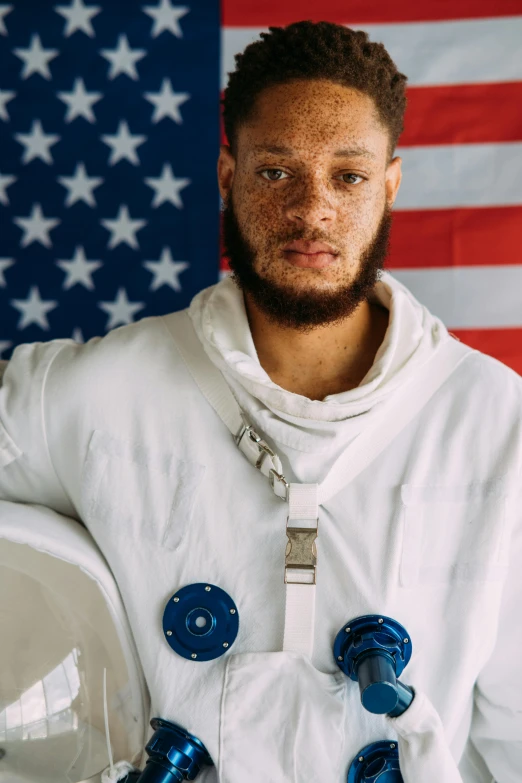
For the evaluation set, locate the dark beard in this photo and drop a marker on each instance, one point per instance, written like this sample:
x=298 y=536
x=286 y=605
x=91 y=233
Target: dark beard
x=303 y=310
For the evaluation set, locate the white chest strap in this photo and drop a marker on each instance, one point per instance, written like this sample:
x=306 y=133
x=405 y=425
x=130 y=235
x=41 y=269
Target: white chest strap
x=305 y=499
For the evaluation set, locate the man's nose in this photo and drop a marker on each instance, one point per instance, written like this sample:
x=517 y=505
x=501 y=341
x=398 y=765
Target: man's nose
x=310 y=203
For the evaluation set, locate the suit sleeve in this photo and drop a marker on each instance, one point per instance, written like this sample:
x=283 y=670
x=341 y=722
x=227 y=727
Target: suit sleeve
x=496 y=729
x=27 y=474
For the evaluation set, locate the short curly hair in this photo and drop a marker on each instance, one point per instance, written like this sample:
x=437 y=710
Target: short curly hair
x=315 y=50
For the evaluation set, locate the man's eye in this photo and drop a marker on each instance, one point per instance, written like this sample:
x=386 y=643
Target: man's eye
x=278 y=171
x=352 y=175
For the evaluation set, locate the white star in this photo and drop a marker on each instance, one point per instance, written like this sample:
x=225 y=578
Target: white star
x=4 y=345
x=33 y=309
x=80 y=186
x=36 y=227
x=166 y=17
x=78 y=17
x=37 y=143
x=36 y=59
x=5 y=181
x=77 y=335
x=5 y=97
x=167 y=102
x=166 y=270
x=123 y=228
x=121 y=311
x=4 y=10
x=80 y=101
x=79 y=270
x=5 y=263
x=123 y=59
x=124 y=145
x=167 y=187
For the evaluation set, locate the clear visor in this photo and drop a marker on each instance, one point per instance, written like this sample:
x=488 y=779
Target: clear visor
x=56 y=639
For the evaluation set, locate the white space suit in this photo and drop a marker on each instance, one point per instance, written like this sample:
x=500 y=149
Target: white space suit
x=117 y=434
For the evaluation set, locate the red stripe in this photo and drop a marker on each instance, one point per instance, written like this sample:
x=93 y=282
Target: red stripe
x=502 y=344
x=460 y=114
x=243 y=13
x=478 y=236
x=463 y=114
x=456 y=237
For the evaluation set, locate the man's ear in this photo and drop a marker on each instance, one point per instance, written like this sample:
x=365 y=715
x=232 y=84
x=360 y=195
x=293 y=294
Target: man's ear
x=393 y=180
x=225 y=170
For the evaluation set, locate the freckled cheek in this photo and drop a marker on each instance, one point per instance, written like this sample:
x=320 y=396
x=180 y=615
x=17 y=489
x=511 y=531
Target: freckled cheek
x=259 y=220
x=356 y=223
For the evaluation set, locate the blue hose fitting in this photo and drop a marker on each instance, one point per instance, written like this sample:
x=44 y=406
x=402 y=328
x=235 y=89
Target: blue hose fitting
x=174 y=755
x=376 y=763
x=374 y=650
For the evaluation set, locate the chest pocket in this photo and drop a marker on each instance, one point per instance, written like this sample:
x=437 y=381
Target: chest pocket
x=454 y=533
x=142 y=489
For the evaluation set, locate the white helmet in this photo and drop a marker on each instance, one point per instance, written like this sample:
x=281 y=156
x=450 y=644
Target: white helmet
x=72 y=694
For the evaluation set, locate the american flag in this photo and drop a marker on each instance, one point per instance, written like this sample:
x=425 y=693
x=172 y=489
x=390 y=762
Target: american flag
x=109 y=123
x=127 y=92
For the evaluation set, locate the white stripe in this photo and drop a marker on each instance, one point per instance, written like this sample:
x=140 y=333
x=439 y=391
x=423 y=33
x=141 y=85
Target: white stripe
x=468 y=51
x=468 y=297
x=460 y=175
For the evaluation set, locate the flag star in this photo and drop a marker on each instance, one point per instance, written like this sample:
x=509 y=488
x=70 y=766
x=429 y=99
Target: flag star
x=77 y=335
x=121 y=311
x=166 y=271
x=80 y=186
x=124 y=145
x=167 y=102
x=4 y=10
x=33 y=309
x=78 y=17
x=4 y=345
x=123 y=228
x=79 y=270
x=36 y=59
x=167 y=187
x=80 y=101
x=5 y=97
x=123 y=59
x=5 y=181
x=5 y=263
x=36 y=227
x=37 y=143
x=166 y=17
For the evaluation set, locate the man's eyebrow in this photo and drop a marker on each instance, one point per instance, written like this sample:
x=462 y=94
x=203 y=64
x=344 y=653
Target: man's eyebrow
x=275 y=149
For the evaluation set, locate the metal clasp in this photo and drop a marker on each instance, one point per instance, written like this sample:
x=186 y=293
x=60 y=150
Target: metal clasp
x=264 y=448
x=264 y=451
x=273 y=476
x=301 y=553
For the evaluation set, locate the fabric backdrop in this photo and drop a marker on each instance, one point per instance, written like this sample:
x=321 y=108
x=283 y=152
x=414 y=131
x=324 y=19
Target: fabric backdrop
x=110 y=132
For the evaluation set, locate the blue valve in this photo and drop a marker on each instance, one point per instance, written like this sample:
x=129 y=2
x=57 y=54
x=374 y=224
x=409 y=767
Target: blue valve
x=200 y=622
x=374 y=650
x=174 y=755
x=376 y=763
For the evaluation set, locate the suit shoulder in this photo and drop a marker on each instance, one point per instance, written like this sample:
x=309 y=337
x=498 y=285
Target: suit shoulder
x=494 y=374
x=128 y=361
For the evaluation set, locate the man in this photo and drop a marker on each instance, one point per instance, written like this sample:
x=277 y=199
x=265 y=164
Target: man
x=316 y=344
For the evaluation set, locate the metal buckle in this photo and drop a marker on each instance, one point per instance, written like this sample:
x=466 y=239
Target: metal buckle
x=246 y=426
x=301 y=553
x=264 y=451
x=264 y=448
x=274 y=476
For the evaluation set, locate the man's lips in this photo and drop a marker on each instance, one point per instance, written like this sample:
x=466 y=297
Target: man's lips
x=309 y=260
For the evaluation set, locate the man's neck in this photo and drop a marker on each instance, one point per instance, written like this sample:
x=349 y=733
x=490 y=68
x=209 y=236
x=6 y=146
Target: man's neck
x=328 y=359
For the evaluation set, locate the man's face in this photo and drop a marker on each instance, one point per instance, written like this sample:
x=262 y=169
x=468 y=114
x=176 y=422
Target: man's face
x=310 y=191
